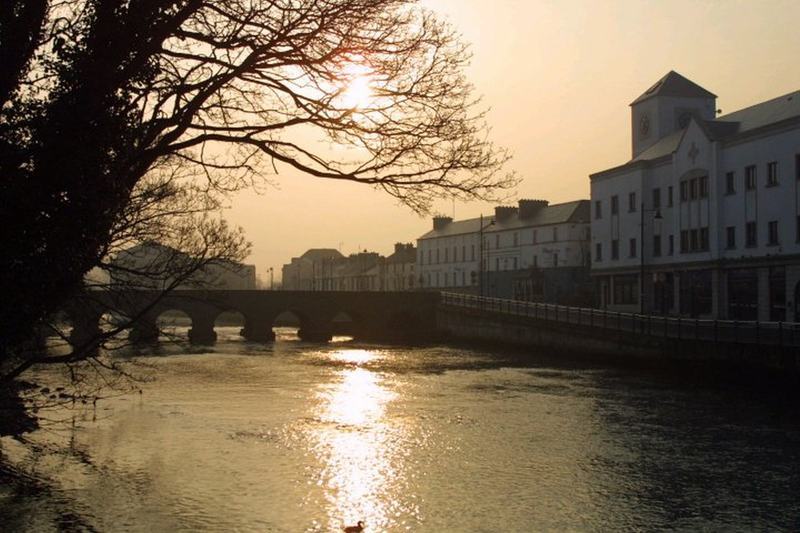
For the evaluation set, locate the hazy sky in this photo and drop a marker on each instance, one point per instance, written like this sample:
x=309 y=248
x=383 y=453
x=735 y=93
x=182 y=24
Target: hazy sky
x=558 y=77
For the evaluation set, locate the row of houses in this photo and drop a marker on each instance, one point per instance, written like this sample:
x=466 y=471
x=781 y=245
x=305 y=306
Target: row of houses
x=326 y=269
x=702 y=221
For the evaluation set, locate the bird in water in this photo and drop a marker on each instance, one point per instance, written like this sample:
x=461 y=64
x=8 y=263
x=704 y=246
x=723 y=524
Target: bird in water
x=358 y=528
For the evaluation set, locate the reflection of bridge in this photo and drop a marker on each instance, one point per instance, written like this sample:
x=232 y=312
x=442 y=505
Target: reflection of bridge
x=374 y=315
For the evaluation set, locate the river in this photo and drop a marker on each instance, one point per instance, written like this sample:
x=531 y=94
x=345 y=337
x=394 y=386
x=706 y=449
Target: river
x=308 y=437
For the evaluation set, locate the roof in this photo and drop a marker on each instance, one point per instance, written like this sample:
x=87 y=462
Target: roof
x=662 y=147
x=318 y=254
x=575 y=211
x=765 y=113
x=407 y=254
x=673 y=84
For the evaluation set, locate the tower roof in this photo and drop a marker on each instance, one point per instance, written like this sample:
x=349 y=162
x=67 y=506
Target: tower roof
x=673 y=84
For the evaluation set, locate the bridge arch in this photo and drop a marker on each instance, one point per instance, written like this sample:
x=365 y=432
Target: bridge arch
x=230 y=324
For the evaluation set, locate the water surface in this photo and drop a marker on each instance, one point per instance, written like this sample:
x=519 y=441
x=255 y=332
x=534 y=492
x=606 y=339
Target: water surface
x=307 y=437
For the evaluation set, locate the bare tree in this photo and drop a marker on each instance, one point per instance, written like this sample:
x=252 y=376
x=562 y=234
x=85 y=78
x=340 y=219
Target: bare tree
x=96 y=95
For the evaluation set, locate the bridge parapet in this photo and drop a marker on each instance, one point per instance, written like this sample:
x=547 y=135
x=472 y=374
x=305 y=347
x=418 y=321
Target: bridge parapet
x=375 y=315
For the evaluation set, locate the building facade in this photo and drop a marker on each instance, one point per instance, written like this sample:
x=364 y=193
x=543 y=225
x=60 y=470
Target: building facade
x=534 y=251
x=325 y=269
x=151 y=265
x=704 y=220
x=400 y=268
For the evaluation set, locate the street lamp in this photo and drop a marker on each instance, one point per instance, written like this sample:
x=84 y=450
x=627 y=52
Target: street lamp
x=271 y=284
x=480 y=263
x=656 y=216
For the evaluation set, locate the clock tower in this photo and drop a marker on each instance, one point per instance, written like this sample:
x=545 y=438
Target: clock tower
x=667 y=107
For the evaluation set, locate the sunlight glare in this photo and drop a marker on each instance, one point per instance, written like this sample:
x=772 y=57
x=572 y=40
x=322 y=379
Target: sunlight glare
x=357 y=81
x=357 y=448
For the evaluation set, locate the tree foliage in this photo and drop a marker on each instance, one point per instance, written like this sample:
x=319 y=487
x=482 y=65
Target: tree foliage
x=99 y=96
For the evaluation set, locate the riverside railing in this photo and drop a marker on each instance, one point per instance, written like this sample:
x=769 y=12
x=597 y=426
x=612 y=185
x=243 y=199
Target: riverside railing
x=680 y=328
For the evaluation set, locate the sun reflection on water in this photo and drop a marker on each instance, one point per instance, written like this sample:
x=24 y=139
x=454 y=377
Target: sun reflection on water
x=357 y=445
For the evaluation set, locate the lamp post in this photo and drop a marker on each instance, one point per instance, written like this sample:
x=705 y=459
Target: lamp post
x=480 y=262
x=271 y=283
x=656 y=216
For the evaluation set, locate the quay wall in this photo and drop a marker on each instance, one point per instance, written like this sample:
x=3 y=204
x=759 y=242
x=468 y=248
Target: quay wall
x=604 y=344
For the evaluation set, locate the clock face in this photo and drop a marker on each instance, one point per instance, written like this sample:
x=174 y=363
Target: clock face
x=644 y=125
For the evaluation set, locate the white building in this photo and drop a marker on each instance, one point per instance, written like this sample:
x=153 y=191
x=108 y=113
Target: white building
x=714 y=199
x=399 y=268
x=534 y=251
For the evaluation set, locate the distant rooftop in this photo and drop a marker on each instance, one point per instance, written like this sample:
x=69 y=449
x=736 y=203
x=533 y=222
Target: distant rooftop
x=575 y=211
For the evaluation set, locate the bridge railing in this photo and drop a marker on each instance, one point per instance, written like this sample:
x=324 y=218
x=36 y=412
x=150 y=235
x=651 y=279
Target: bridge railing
x=681 y=328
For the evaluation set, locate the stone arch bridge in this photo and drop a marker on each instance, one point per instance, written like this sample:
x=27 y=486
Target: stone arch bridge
x=380 y=316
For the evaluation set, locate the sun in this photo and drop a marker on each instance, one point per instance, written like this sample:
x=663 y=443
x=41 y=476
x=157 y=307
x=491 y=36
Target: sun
x=357 y=81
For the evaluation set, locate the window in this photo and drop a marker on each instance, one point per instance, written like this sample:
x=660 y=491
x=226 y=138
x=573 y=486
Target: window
x=598 y=252
x=772 y=233
x=515 y=263
x=429 y=255
x=772 y=173
x=626 y=289
x=669 y=196
x=656 y=198
x=463 y=253
x=535 y=236
x=693 y=240
x=797 y=166
x=750 y=234
x=437 y=259
x=555 y=260
x=472 y=252
x=671 y=245
x=703 y=245
x=703 y=184
x=497 y=241
x=614 y=205
x=535 y=261
x=516 y=239
x=615 y=249
x=447 y=255
x=693 y=188
x=632 y=202
x=598 y=209
x=730 y=184
x=632 y=246
x=730 y=237
x=455 y=254
x=555 y=234
x=656 y=245
x=749 y=177
x=684 y=241
x=684 y=191
x=777 y=294
x=797 y=238
x=497 y=264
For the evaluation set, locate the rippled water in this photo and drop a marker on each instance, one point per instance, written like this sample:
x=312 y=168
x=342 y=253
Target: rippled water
x=303 y=437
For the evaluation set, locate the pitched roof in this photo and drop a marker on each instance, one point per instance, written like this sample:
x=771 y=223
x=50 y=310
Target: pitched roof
x=575 y=211
x=673 y=84
x=406 y=254
x=662 y=147
x=765 y=113
x=317 y=254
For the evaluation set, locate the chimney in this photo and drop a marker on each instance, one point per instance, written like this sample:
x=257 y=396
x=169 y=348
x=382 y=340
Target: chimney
x=529 y=208
x=441 y=222
x=504 y=213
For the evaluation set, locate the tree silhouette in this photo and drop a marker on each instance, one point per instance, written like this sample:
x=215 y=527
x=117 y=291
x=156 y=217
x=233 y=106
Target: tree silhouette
x=96 y=94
